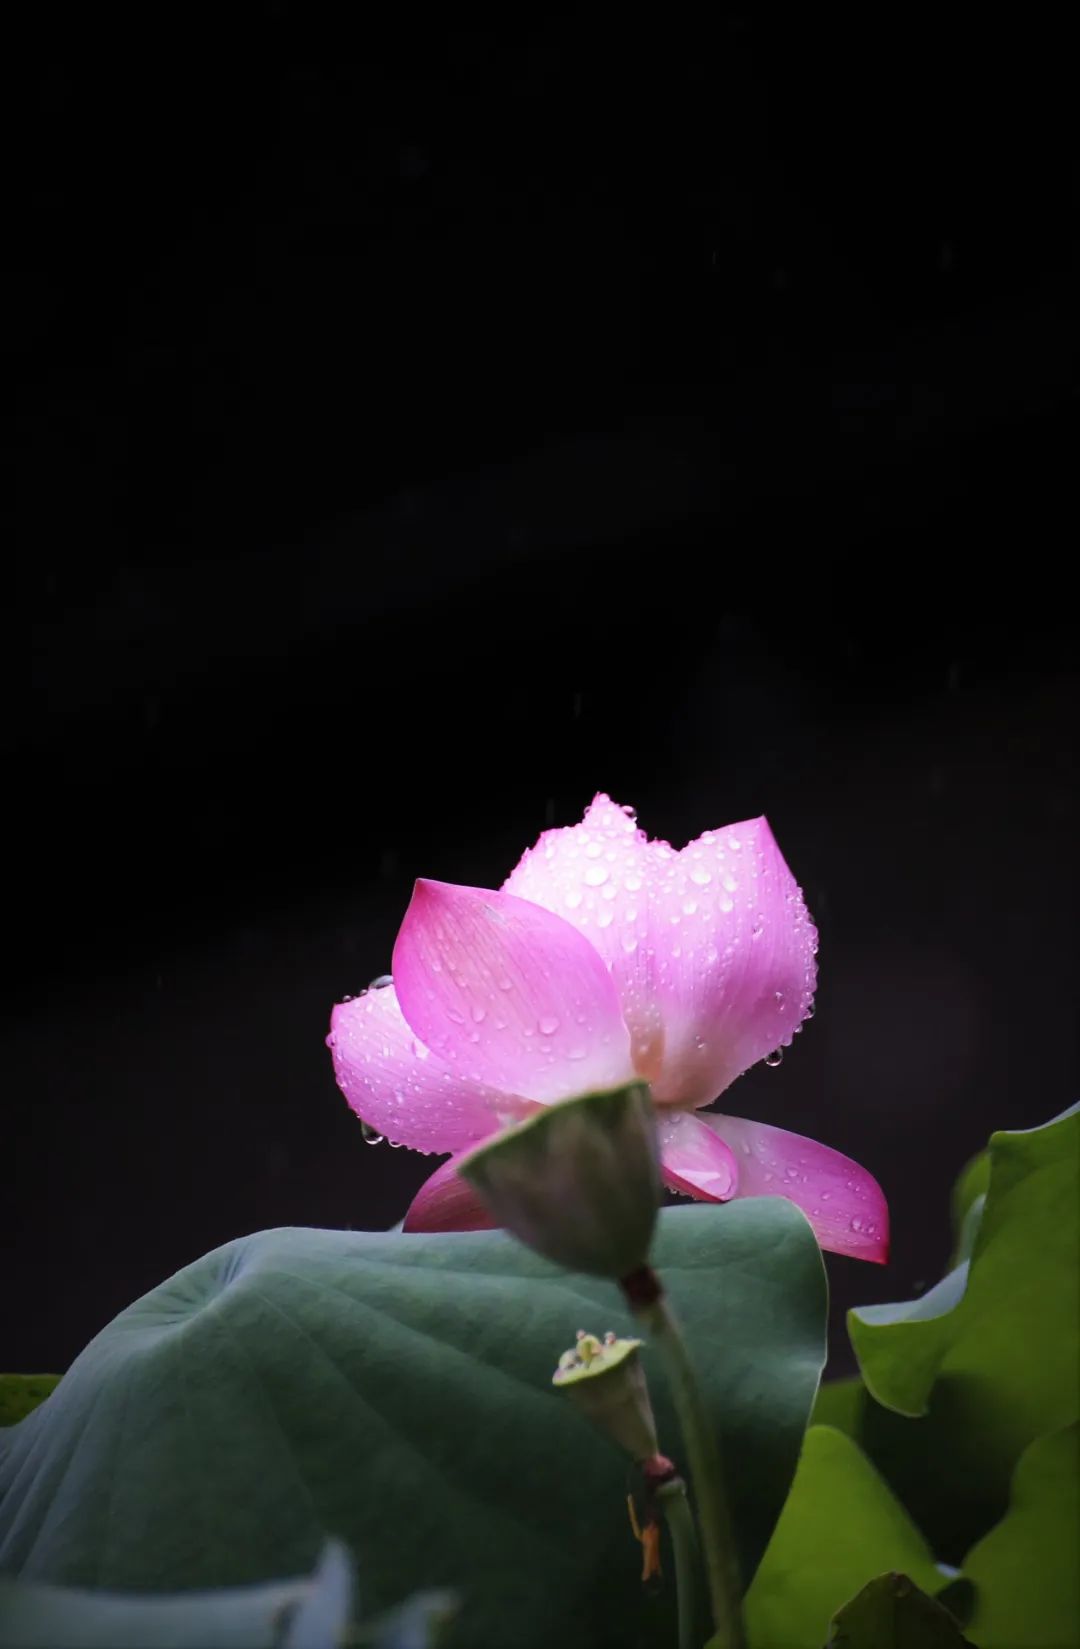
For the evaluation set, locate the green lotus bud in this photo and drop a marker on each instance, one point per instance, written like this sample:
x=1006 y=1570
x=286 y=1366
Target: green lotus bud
x=579 y=1181
x=607 y=1382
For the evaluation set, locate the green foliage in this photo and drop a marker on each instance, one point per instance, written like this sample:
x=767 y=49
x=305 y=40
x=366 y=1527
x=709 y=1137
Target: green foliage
x=298 y=1614
x=20 y=1393
x=892 y=1613
x=1026 y=1572
x=316 y=1613
x=993 y=1325
x=841 y=1526
x=983 y=1381
x=989 y=1358
x=395 y=1391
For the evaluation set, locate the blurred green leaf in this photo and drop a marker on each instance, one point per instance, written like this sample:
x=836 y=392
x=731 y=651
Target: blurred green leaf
x=416 y=1624
x=395 y=1391
x=991 y=1355
x=20 y=1393
x=1026 y=1571
x=841 y=1526
x=892 y=1613
x=973 y=1182
x=312 y=1613
x=839 y=1403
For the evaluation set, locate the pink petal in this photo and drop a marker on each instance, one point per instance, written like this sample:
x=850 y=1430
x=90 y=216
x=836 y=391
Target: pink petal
x=400 y=1089
x=696 y=1160
x=845 y=1205
x=711 y=949
x=508 y=994
x=597 y=875
x=446 y=1202
x=735 y=968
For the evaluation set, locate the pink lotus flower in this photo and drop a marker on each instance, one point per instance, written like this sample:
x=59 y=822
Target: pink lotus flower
x=605 y=956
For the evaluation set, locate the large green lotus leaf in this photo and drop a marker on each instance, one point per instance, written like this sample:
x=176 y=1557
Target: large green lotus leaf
x=953 y=1508
x=840 y=1528
x=395 y=1391
x=991 y=1355
x=891 y=1613
x=1026 y=1572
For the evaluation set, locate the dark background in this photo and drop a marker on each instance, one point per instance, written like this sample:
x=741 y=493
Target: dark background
x=413 y=433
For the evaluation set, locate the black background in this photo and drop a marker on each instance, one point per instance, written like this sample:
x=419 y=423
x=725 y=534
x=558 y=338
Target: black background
x=412 y=432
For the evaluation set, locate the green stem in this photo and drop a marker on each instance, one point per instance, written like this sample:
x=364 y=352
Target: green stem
x=680 y=1521
x=703 y=1452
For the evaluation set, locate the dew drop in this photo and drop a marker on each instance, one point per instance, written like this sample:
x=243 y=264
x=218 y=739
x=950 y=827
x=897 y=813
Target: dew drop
x=458 y=1018
x=595 y=875
x=809 y=1010
x=774 y=1059
x=479 y=1014
x=633 y=883
x=370 y=1135
x=573 y=898
x=856 y=1224
x=700 y=876
x=689 y=907
x=548 y=1025
x=381 y=982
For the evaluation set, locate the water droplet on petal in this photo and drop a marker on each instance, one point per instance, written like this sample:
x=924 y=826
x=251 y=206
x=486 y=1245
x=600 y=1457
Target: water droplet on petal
x=595 y=875
x=774 y=1059
x=381 y=983
x=573 y=898
x=371 y=1137
x=548 y=1025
